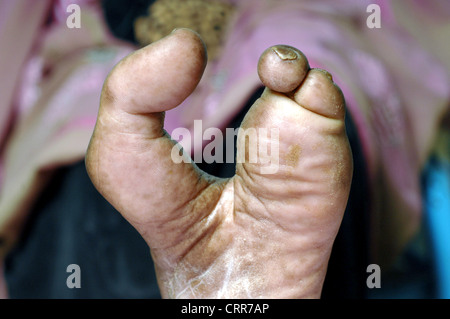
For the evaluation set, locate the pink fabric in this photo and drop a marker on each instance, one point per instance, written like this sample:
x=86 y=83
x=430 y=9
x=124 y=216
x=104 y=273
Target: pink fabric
x=51 y=79
x=14 y=51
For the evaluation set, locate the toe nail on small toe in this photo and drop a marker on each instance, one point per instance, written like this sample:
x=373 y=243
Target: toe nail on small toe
x=327 y=74
x=285 y=53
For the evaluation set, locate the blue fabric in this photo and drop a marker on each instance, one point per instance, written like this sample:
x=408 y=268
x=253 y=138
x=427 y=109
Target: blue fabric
x=437 y=207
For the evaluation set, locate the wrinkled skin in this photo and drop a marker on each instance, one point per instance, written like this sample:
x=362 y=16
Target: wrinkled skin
x=253 y=235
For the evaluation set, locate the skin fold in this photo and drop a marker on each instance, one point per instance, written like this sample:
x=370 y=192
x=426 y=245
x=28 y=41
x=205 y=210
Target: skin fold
x=251 y=236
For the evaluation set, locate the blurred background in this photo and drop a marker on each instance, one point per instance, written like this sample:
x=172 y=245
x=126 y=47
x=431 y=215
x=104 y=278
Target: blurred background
x=54 y=58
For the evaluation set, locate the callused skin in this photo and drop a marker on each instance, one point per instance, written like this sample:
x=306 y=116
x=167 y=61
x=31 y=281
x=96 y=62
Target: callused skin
x=253 y=235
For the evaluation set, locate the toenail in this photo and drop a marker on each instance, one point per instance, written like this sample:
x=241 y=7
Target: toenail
x=326 y=73
x=285 y=53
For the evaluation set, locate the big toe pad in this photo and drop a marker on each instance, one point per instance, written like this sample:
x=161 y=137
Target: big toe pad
x=282 y=68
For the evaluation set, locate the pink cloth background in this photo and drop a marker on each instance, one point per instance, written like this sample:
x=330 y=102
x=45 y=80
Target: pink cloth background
x=395 y=80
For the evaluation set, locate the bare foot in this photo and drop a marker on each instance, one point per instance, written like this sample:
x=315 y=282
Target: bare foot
x=251 y=236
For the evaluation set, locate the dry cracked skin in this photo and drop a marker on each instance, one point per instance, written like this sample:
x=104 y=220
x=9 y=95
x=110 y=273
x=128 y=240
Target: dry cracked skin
x=250 y=236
